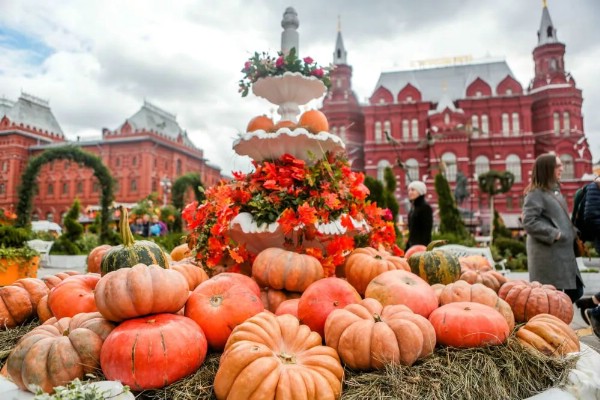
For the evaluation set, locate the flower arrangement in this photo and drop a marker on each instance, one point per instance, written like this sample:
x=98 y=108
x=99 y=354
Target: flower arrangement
x=261 y=65
x=295 y=195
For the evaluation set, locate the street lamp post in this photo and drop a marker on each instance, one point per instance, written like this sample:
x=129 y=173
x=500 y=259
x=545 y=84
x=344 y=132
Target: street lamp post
x=165 y=183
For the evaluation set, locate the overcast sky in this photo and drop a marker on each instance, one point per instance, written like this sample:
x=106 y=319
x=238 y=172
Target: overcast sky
x=97 y=61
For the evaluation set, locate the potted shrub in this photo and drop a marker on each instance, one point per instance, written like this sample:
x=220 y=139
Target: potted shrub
x=66 y=252
x=17 y=260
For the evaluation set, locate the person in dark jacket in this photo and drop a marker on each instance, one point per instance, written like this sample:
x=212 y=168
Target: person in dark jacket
x=420 y=216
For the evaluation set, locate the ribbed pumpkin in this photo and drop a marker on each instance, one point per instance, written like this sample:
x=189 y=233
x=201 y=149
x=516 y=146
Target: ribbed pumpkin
x=468 y=324
x=548 y=335
x=193 y=274
x=435 y=266
x=368 y=335
x=528 y=299
x=73 y=295
x=140 y=290
x=154 y=351
x=44 y=312
x=132 y=252
x=286 y=270
x=477 y=269
x=274 y=357
x=478 y=293
x=288 y=307
x=94 y=259
x=272 y=298
x=53 y=280
x=365 y=263
x=18 y=302
x=180 y=252
x=57 y=352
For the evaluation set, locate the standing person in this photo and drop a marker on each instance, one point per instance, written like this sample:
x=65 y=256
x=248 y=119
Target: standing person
x=137 y=228
x=420 y=216
x=146 y=225
x=550 y=232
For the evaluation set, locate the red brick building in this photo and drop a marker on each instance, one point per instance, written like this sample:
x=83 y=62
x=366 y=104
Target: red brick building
x=470 y=116
x=147 y=148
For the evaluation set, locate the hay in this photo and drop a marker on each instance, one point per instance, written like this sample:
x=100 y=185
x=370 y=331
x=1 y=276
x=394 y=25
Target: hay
x=10 y=337
x=499 y=372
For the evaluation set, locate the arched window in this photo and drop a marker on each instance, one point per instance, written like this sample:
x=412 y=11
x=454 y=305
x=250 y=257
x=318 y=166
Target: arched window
x=485 y=125
x=2 y=188
x=449 y=160
x=556 y=123
x=513 y=164
x=415 y=129
x=387 y=127
x=475 y=125
x=482 y=165
x=133 y=185
x=405 y=130
x=505 y=125
x=50 y=189
x=50 y=216
x=381 y=166
x=516 y=128
x=378 y=133
x=412 y=170
x=568 y=167
x=567 y=123
x=178 y=167
x=65 y=188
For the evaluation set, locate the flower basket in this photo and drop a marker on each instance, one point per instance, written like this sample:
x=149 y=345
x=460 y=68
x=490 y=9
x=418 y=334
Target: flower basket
x=14 y=268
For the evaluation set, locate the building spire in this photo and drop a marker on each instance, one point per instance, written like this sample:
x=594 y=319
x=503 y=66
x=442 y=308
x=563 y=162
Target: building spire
x=547 y=32
x=340 y=53
x=289 y=37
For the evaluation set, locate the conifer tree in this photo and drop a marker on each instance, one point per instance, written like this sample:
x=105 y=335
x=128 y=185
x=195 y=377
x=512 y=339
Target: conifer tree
x=450 y=219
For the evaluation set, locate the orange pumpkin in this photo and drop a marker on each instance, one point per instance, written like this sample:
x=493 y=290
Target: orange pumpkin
x=468 y=324
x=94 y=259
x=365 y=263
x=314 y=121
x=282 y=269
x=140 y=290
x=288 y=307
x=477 y=269
x=74 y=295
x=57 y=352
x=368 y=335
x=15 y=306
x=548 y=335
x=260 y=122
x=180 y=252
x=220 y=304
x=417 y=248
x=272 y=298
x=274 y=357
x=193 y=274
x=403 y=287
x=53 y=280
x=44 y=312
x=528 y=299
x=285 y=124
x=238 y=278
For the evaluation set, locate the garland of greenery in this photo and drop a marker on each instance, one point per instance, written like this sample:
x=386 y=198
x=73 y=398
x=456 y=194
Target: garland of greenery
x=495 y=182
x=180 y=186
x=29 y=187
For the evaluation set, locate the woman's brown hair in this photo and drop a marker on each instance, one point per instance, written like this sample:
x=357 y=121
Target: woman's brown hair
x=543 y=175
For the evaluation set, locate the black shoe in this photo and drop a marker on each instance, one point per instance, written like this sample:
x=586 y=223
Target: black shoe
x=593 y=318
x=583 y=305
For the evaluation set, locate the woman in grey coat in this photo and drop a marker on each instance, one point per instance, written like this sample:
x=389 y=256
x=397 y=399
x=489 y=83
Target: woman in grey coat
x=550 y=233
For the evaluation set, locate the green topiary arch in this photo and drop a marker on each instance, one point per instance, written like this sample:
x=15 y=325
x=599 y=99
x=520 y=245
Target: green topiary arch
x=180 y=186
x=28 y=187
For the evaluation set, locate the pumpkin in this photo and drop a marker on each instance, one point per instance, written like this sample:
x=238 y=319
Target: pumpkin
x=478 y=293
x=275 y=357
x=238 y=278
x=548 y=335
x=282 y=269
x=477 y=269
x=368 y=335
x=44 y=312
x=321 y=298
x=435 y=266
x=403 y=287
x=132 y=251
x=285 y=124
x=468 y=324
x=272 y=298
x=15 y=306
x=74 y=295
x=140 y=290
x=180 y=252
x=260 y=122
x=193 y=274
x=314 y=121
x=94 y=259
x=220 y=304
x=288 y=307
x=57 y=352
x=153 y=351
x=53 y=280
x=417 y=248
x=528 y=299
x=365 y=263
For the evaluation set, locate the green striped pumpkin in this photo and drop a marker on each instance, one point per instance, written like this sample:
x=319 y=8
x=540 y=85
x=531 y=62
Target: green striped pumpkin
x=435 y=266
x=132 y=252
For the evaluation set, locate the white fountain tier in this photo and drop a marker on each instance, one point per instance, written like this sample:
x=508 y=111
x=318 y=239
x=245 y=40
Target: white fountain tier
x=243 y=229
x=289 y=91
x=300 y=143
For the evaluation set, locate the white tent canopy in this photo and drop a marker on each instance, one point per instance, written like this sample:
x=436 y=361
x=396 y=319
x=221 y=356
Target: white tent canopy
x=45 y=226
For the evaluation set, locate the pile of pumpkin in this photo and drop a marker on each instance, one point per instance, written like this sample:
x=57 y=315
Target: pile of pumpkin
x=314 y=121
x=148 y=322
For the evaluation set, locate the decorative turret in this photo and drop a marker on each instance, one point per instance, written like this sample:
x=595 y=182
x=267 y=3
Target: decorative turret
x=289 y=36
x=340 y=53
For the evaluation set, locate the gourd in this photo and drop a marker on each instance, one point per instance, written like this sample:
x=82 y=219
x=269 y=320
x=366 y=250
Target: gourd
x=435 y=266
x=132 y=251
x=286 y=270
x=365 y=263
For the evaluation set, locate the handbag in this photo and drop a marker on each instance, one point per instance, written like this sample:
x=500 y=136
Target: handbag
x=578 y=245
